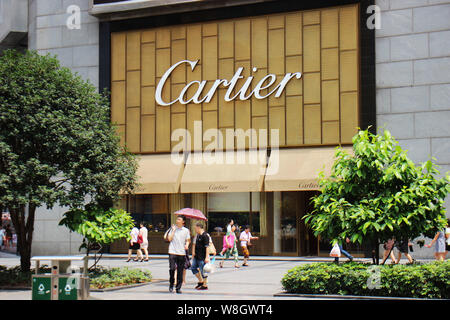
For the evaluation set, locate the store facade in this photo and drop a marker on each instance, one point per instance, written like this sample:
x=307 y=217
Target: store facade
x=409 y=49
x=235 y=112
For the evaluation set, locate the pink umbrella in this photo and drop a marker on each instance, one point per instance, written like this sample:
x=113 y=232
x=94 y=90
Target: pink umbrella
x=191 y=213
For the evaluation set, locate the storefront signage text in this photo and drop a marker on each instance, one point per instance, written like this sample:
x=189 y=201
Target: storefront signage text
x=220 y=187
x=308 y=186
x=243 y=93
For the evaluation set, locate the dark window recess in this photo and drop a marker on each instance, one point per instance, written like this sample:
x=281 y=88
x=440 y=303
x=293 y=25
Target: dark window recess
x=153 y=210
x=217 y=221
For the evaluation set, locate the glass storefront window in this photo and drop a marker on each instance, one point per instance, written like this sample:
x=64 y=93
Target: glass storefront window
x=285 y=222
x=242 y=207
x=152 y=209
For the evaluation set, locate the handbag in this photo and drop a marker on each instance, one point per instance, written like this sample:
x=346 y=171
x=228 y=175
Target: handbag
x=212 y=247
x=140 y=239
x=335 y=251
x=229 y=240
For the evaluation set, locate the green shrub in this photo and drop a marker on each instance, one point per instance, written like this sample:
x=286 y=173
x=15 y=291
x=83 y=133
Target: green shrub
x=106 y=278
x=430 y=280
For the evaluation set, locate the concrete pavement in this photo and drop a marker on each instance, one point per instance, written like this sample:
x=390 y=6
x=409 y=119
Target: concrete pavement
x=261 y=280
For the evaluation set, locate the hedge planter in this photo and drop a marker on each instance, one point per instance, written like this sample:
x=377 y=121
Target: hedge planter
x=103 y=278
x=430 y=280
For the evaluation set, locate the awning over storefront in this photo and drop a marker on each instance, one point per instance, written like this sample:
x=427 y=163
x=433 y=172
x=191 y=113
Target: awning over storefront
x=234 y=171
x=298 y=169
x=159 y=174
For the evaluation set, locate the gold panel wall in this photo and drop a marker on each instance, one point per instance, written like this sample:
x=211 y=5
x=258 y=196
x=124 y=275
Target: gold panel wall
x=321 y=108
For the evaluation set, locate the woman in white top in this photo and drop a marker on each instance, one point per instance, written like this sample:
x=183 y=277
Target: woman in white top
x=143 y=232
x=229 y=225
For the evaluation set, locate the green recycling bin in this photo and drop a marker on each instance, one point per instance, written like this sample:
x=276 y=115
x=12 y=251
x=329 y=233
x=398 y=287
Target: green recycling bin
x=41 y=287
x=73 y=288
x=68 y=288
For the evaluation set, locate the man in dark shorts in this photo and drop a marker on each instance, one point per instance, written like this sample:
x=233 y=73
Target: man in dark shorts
x=200 y=256
x=402 y=246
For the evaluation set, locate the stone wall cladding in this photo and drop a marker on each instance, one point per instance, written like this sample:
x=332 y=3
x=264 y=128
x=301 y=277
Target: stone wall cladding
x=413 y=80
x=76 y=49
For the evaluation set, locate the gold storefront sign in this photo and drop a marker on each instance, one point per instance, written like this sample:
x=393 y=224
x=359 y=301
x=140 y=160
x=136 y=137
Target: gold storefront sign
x=319 y=108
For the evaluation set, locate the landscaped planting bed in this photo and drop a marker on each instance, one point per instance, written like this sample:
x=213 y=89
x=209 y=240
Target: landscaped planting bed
x=13 y=277
x=102 y=278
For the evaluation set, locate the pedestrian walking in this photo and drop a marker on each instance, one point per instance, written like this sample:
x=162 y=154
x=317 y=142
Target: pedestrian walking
x=447 y=236
x=200 y=256
x=143 y=233
x=179 y=238
x=229 y=239
x=230 y=247
x=2 y=237
x=440 y=249
x=344 y=252
x=245 y=239
x=134 y=245
x=388 y=251
x=402 y=246
x=8 y=236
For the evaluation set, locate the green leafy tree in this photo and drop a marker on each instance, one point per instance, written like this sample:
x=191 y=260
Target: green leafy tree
x=378 y=193
x=99 y=227
x=57 y=145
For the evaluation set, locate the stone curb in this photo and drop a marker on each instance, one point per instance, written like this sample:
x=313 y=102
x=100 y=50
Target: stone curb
x=134 y=285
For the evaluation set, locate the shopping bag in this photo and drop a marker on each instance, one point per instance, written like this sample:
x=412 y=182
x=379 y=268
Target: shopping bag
x=335 y=251
x=210 y=267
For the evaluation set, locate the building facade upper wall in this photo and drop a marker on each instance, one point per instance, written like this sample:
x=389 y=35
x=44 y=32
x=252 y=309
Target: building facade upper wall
x=413 y=77
x=319 y=107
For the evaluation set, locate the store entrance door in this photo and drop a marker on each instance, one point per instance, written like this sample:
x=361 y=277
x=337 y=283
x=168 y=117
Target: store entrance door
x=292 y=236
x=308 y=243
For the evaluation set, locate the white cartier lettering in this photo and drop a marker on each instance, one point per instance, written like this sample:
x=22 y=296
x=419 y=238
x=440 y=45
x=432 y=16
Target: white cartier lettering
x=242 y=93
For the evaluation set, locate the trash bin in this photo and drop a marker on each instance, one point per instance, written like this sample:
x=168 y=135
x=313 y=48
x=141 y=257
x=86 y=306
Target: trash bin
x=41 y=287
x=66 y=281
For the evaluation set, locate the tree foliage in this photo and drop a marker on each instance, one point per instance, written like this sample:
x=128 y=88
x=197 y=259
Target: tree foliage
x=378 y=193
x=99 y=226
x=57 y=145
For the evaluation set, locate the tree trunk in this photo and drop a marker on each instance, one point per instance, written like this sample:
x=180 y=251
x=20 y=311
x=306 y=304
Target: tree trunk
x=24 y=226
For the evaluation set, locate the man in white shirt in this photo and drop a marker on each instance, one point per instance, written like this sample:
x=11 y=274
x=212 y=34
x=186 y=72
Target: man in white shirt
x=179 y=238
